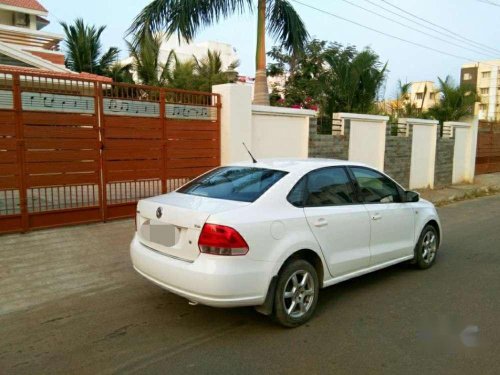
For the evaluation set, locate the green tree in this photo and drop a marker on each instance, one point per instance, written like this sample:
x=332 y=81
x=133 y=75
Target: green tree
x=84 y=52
x=181 y=74
x=187 y=17
x=120 y=73
x=209 y=70
x=353 y=79
x=337 y=78
x=146 y=61
x=455 y=102
x=304 y=73
x=192 y=74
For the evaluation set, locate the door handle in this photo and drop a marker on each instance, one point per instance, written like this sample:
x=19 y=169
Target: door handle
x=376 y=217
x=320 y=223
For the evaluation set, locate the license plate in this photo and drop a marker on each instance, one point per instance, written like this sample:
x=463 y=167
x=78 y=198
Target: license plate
x=160 y=233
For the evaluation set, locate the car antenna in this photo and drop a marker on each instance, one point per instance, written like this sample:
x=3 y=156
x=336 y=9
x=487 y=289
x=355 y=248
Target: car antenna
x=249 y=153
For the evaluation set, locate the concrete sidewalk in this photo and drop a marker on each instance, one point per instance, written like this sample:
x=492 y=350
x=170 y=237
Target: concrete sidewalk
x=485 y=184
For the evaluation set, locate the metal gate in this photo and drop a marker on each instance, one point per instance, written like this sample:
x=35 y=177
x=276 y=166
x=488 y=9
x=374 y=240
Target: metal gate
x=76 y=151
x=488 y=148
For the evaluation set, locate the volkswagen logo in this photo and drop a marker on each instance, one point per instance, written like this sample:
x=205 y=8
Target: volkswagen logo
x=159 y=212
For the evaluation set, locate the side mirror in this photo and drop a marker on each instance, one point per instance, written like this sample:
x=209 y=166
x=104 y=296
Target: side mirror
x=412 y=196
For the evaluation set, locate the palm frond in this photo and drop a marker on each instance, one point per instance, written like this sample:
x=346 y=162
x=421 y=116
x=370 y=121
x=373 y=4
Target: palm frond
x=285 y=24
x=84 y=48
x=108 y=58
x=184 y=17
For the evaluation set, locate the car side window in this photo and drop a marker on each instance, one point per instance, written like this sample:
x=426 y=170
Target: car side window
x=297 y=194
x=328 y=187
x=375 y=187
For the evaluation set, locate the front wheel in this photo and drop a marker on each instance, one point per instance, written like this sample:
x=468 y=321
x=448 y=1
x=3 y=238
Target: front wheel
x=296 y=293
x=427 y=247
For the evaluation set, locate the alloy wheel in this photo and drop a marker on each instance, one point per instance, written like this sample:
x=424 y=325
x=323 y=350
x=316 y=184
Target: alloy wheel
x=429 y=247
x=298 y=296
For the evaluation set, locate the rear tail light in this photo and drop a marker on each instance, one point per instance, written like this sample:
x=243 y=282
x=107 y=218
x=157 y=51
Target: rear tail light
x=221 y=240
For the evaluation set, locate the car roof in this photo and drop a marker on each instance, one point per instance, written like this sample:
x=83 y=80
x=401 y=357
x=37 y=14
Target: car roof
x=292 y=165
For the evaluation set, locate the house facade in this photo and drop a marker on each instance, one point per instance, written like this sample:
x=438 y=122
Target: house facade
x=484 y=76
x=23 y=42
x=423 y=95
x=26 y=47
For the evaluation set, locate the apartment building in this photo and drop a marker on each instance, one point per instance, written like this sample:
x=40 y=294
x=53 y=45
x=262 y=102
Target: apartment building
x=484 y=76
x=423 y=95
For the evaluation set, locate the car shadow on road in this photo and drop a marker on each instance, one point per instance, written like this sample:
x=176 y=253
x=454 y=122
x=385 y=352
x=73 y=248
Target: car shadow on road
x=335 y=294
x=329 y=298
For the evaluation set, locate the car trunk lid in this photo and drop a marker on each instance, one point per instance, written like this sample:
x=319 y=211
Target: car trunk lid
x=171 y=223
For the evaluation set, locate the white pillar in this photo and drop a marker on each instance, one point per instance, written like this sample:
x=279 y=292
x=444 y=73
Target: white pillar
x=236 y=121
x=280 y=132
x=366 y=138
x=471 y=170
x=423 y=152
x=464 y=155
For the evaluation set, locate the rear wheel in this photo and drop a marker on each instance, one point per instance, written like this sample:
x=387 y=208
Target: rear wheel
x=296 y=293
x=427 y=247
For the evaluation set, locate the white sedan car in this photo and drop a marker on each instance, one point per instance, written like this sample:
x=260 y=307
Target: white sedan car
x=271 y=234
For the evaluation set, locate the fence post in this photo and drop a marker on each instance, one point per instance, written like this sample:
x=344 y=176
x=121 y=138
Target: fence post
x=99 y=108
x=463 y=155
x=235 y=121
x=164 y=124
x=366 y=138
x=219 y=108
x=21 y=151
x=423 y=152
x=472 y=146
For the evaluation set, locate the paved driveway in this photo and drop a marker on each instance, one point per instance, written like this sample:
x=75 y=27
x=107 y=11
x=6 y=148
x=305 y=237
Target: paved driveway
x=70 y=303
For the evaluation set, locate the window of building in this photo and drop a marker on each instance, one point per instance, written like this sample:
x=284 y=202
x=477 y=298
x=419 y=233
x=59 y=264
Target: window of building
x=467 y=76
x=484 y=90
x=483 y=107
x=420 y=96
x=432 y=95
x=21 y=19
x=485 y=74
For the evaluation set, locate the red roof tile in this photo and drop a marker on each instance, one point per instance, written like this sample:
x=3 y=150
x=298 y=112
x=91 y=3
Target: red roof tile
x=49 y=73
x=28 y=4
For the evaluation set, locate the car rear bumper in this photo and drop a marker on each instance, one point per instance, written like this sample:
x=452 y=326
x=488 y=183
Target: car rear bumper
x=220 y=281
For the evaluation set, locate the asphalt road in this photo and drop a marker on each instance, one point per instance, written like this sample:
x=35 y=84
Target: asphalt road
x=445 y=320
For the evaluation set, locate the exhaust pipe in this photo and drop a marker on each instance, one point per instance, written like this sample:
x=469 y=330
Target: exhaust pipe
x=192 y=303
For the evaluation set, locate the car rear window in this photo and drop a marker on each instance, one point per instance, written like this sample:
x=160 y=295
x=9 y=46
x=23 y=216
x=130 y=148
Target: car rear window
x=243 y=184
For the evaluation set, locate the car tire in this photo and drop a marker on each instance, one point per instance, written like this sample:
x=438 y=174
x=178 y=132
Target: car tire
x=427 y=247
x=296 y=294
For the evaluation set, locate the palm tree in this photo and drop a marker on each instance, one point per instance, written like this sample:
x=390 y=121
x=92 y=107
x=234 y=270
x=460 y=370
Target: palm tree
x=120 y=73
x=181 y=74
x=455 y=102
x=84 y=48
x=353 y=79
x=146 y=60
x=186 y=17
x=210 y=70
x=403 y=106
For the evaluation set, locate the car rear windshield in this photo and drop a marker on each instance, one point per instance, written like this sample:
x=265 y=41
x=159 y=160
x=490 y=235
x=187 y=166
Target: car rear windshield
x=243 y=184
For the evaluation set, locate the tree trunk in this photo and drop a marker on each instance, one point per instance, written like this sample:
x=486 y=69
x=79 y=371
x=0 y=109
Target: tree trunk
x=260 y=90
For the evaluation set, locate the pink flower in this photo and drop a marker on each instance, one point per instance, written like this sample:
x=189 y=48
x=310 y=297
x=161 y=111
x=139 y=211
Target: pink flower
x=296 y=106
